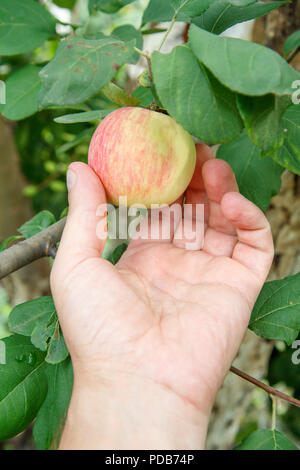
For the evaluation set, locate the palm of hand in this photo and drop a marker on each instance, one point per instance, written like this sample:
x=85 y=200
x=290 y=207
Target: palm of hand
x=169 y=315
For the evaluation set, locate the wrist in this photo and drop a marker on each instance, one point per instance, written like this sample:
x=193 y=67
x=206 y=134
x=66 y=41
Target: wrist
x=131 y=414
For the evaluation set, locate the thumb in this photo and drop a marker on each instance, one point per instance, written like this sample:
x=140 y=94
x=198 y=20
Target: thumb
x=82 y=239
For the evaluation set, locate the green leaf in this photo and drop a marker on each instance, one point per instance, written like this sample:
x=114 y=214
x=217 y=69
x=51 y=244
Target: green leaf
x=34 y=318
x=258 y=178
x=265 y=439
x=38 y=319
x=118 y=96
x=222 y=14
x=292 y=43
x=51 y=416
x=80 y=68
x=194 y=98
x=9 y=240
x=57 y=350
x=276 y=314
x=144 y=95
x=241 y=3
x=22 y=89
x=23 y=385
x=289 y=154
x=243 y=66
x=24 y=25
x=262 y=118
x=84 y=136
x=127 y=33
x=65 y=3
x=117 y=253
x=159 y=11
x=187 y=9
x=108 y=6
x=38 y=223
x=83 y=117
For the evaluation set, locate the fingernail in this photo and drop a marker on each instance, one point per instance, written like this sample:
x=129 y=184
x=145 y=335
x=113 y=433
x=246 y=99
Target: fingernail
x=71 y=179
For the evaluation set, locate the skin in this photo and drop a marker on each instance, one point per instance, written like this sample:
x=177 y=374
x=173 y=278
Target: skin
x=152 y=338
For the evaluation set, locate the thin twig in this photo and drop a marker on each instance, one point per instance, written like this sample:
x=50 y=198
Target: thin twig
x=293 y=55
x=148 y=58
x=39 y=246
x=270 y=390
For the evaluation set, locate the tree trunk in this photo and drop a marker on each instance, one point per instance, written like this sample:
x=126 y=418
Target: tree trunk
x=15 y=209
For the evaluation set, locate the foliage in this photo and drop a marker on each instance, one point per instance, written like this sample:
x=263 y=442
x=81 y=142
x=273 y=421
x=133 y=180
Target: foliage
x=267 y=440
x=60 y=85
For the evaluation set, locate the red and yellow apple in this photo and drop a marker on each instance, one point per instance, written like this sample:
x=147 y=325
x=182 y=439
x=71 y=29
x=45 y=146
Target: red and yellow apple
x=144 y=155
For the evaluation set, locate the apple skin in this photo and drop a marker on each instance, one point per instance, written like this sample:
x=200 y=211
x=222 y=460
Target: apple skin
x=144 y=155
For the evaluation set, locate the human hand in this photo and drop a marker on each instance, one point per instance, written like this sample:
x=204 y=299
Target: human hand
x=152 y=338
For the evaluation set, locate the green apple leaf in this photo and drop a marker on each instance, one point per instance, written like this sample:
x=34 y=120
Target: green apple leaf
x=8 y=241
x=243 y=66
x=185 y=10
x=118 y=96
x=223 y=14
x=83 y=117
x=262 y=118
x=38 y=319
x=258 y=178
x=117 y=253
x=51 y=416
x=65 y=3
x=22 y=89
x=108 y=6
x=158 y=11
x=265 y=439
x=194 y=98
x=34 y=318
x=23 y=385
x=144 y=95
x=80 y=68
x=24 y=26
x=276 y=314
x=57 y=350
x=38 y=223
x=84 y=136
x=241 y=3
x=128 y=33
x=289 y=154
x=292 y=43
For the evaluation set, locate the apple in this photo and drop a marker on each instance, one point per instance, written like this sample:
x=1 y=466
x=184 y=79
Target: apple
x=144 y=155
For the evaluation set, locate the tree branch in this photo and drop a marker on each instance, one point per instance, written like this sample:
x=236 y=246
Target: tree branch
x=270 y=390
x=293 y=55
x=23 y=253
